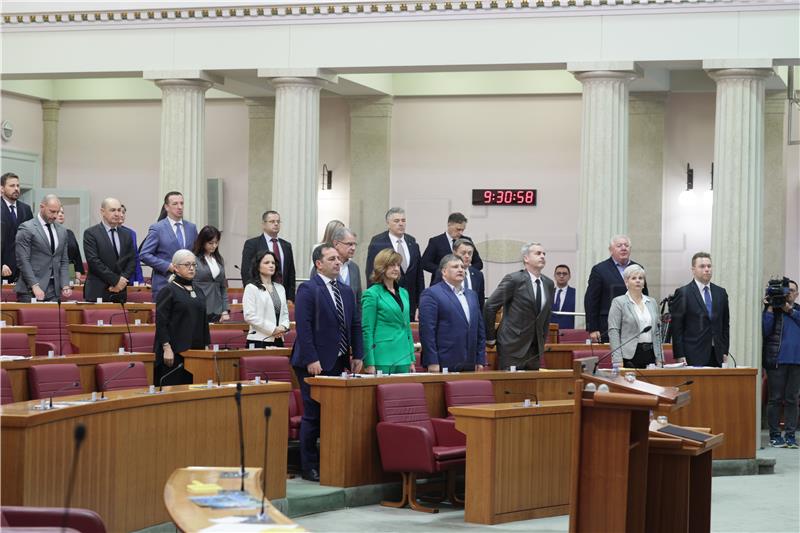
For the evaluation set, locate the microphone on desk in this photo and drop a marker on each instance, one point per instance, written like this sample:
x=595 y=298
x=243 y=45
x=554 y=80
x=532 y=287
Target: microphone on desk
x=60 y=333
x=267 y=414
x=687 y=382
x=238 y=398
x=161 y=381
x=112 y=378
x=227 y=345
x=127 y=325
x=611 y=352
x=79 y=436
x=216 y=369
x=71 y=385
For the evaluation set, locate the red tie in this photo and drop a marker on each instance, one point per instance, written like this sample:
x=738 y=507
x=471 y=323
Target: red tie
x=277 y=252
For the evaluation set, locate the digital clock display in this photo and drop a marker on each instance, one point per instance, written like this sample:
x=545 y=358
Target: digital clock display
x=503 y=196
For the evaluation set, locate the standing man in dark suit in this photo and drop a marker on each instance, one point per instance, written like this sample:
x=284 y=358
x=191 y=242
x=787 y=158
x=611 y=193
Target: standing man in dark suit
x=564 y=298
x=14 y=212
x=443 y=244
x=412 y=277
x=700 y=318
x=450 y=322
x=269 y=240
x=345 y=242
x=473 y=278
x=605 y=284
x=137 y=274
x=41 y=250
x=110 y=254
x=328 y=342
x=166 y=237
x=526 y=297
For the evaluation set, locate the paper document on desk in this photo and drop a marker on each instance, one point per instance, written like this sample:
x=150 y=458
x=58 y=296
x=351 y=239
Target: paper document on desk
x=12 y=357
x=674 y=365
x=228 y=499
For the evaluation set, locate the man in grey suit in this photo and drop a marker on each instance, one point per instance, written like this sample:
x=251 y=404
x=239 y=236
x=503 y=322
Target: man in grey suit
x=344 y=240
x=526 y=297
x=41 y=250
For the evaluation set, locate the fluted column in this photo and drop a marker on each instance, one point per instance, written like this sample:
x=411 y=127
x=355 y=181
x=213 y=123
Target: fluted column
x=296 y=162
x=183 y=144
x=50 y=112
x=370 y=167
x=604 y=166
x=261 y=112
x=775 y=188
x=737 y=244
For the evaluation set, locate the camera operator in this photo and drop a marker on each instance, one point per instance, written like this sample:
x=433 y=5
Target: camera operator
x=781 y=359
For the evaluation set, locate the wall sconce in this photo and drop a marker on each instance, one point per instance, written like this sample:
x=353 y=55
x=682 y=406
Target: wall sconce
x=327 y=178
x=708 y=196
x=687 y=197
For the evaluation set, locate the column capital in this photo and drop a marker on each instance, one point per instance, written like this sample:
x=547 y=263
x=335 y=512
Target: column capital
x=314 y=73
x=188 y=75
x=296 y=82
x=50 y=109
x=605 y=70
x=740 y=74
x=371 y=106
x=180 y=83
x=260 y=107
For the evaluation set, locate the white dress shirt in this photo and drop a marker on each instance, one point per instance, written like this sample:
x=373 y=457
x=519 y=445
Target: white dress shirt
x=405 y=253
x=462 y=298
x=643 y=316
x=43 y=223
x=541 y=289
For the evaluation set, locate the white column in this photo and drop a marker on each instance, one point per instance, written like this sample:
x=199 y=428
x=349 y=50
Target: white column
x=776 y=190
x=261 y=112
x=296 y=172
x=604 y=166
x=183 y=144
x=737 y=244
x=50 y=112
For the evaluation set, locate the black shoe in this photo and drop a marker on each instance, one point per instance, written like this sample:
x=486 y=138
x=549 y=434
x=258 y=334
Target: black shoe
x=311 y=475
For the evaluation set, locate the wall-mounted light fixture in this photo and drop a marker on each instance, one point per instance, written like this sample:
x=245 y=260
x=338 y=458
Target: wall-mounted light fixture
x=327 y=178
x=687 y=197
x=708 y=196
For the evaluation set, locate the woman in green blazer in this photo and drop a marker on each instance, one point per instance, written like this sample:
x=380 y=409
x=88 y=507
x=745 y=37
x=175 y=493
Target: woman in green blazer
x=388 y=344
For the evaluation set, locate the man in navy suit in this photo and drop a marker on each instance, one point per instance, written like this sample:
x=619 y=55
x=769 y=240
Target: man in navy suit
x=396 y=238
x=441 y=245
x=700 y=318
x=269 y=240
x=14 y=213
x=328 y=334
x=451 y=323
x=473 y=278
x=166 y=237
x=564 y=299
x=605 y=284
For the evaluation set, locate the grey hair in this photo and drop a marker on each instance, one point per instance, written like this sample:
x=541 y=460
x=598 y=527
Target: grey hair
x=181 y=255
x=632 y=269
x=526 y=249
x=341 y=233
x=395 y=211
x=49 y=198
x=619 y=237
x=463 y=242
x=447 y=259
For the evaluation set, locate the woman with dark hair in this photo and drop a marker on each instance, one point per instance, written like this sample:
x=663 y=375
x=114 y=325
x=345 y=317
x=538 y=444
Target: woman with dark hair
x=210 y=275
x=264 y=302
x=73 y=250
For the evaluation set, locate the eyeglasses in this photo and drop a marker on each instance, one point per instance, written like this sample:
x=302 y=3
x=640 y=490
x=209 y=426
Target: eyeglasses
x=188 y=265
x=349 y=244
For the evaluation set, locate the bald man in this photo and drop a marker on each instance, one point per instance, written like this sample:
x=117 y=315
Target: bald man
x=41 y=250
x=111 y=255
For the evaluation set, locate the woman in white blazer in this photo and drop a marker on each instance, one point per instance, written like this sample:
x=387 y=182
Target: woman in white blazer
x=629 y=316
x=264 y=303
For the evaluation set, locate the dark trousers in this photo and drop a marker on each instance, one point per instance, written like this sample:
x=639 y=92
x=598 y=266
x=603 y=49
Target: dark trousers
x=531 y=361
x=309 y=425
x=277 y=343
x=50 y=294
x=644 y=356
x=784 y=387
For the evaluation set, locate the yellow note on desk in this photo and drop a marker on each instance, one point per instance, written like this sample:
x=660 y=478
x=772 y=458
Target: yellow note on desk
x=198 y=487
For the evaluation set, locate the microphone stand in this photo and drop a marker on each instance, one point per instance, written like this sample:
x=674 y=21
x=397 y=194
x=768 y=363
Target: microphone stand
x=79 y=435
x=112 y=378
x=127 y=325
x=267 y=414
x=606 y=356
x=161 y=381
x=238 y=398
x=60 y=333
x=74 y=384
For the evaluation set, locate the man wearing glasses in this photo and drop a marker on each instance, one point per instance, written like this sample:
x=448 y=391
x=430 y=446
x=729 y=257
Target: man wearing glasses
x=344 y=240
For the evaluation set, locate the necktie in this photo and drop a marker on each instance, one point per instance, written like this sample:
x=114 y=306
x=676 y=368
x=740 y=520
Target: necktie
x=52 y=238
x=337 y=297
x=179 y=234
x=114 y=242
x=537 y=296
x=557 y=304
x=707 y=299
x=13 y=208
x=277 y=252
x=467 y=282
x=452 y=243
x=402 y=252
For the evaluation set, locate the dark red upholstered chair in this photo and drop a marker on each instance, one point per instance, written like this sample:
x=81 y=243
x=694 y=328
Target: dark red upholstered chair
x=139 y=341
x=140 y=296
x=410 y=441
x=229 y=339
x=237 y=316
x=7 y=294
x=275 y=368
x=468 y=392
x=134 y=378
x=289 y=338
x=669 y=357
x=16 y=344
x=46 y=321
x=6 y=392
x=45 y=380
x=108 y=316
x=572 y=336
x=77 y=294
x=291 y=312
x=83 y=520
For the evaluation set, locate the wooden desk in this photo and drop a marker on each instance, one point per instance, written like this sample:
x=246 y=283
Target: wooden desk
x=201 y=362
x=516 y=460
x=91 y=338
x=188 y=516
x=18 y=370
x=134 y=441
x=73 y=310
x=30 y=331
x=348 y=442
x=561 y=355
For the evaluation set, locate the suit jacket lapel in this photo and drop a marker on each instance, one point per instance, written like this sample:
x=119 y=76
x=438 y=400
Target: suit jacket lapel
x=41 y=232
x=529 y=285
x=698 y=296
x=391 y=303
x=451 y=296
x=326 y=294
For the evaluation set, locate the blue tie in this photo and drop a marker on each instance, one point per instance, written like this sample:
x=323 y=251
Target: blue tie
x=557 y=304
x=14 y=213
x=179 y=234
x=707 y=299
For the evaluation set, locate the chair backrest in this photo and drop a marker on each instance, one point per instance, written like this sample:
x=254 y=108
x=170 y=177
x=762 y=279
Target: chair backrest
x=289 y=338
x=469 y=392
x=403 y=403
x=16 y=344
x=140 y=296
x=274 y=367
x=133 y=378
x=108 y=316
x=669 y=357
x=599 y=353
x=52 y=519
x=45 y=380
x=227 y=338
x=139 y=341
x=237 y=316
x=574 y=336
x=47 y=323
x=6 y=393
x=7 y=294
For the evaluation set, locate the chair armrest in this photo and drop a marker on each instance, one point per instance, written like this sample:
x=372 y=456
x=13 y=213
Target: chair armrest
x=83 y=520
x=446 y=433
x=405 y=447
x=43 y=347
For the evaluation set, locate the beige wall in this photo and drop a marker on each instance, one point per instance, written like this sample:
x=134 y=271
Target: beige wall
x=26 y=116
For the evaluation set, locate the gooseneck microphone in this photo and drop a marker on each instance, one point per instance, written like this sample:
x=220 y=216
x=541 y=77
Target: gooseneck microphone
x=267 y=414
x=60 y=333
x=79 y=435
x=611 y=352
x=127 y=325
x=216 y=369
x=161 y=381
x=112 y=378
x=72 y=385
x=238 y=398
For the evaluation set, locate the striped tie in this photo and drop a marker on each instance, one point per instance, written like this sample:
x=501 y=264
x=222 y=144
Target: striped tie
x=337 y=298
